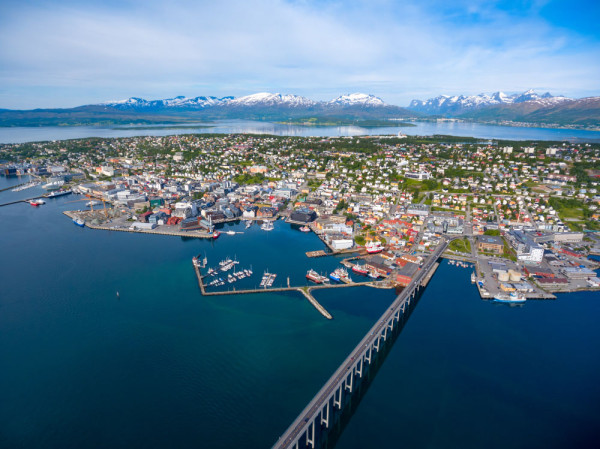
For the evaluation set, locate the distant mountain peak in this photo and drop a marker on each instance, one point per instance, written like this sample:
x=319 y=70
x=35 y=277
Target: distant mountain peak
x=450 y=106
x=358 y=99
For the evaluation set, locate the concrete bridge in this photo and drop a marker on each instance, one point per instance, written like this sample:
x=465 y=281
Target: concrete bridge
x=318 y=414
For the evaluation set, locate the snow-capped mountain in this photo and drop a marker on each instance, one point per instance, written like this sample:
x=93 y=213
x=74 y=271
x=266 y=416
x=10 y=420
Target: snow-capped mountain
x=357 y=99
x=262 y=99
x=177 y=102
x=268 y=99
x=455 y=105
x=262 y=106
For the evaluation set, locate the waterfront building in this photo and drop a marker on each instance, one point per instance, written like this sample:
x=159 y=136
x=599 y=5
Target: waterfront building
x=303 y=215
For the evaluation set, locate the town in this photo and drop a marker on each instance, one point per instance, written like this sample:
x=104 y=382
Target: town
x=524 y=215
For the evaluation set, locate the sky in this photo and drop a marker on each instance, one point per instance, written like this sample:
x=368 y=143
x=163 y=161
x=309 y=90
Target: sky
x=64 y=53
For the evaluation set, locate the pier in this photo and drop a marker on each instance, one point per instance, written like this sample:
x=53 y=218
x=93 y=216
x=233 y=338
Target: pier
x=318 y=414
x=305 y=291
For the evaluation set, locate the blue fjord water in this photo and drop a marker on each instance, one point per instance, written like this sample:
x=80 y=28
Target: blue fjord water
x=478 y=130
x=162 y=366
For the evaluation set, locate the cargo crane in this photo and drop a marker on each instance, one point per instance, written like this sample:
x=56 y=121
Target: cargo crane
x=91 y=198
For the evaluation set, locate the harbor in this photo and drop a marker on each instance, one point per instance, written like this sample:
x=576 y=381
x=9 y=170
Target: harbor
x=306 y=291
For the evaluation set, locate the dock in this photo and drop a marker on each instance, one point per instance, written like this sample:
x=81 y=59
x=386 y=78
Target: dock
x=161 y=230
x=319 y=253
x=306 y=291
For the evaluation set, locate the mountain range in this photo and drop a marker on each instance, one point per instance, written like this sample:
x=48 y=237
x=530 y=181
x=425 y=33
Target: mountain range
x=527 y=107
x=260 y=106
x=455 y=105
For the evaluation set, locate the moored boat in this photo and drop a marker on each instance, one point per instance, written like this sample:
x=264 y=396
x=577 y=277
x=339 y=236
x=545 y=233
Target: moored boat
x=56 y=193
x=340 y=275
x=216 y=235
x=267 y=226
x=315 y=277
x=374 y=247
x=79 y=222
x=512 y=298
x=305 y=229
x=360 y=269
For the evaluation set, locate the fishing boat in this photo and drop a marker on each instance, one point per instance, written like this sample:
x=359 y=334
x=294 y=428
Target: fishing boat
x=360 y=269
x=340 y=275
x=79 y=222
x=512 y=298
x=373 y=275
x=315 y=277
x=248 y=224
x=216 y=235
x=230 y=232
x=38 y=202
x=305 y=229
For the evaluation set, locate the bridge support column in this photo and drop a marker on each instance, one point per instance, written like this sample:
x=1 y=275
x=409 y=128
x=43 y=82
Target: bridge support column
x=397 y=316
x=384 y=334
x=351 y=383
x=360 y=372
x=337 y=397
x=310 y=440
x=325 y=415
x=368 y=354
x=391 y=324
x=376 y=345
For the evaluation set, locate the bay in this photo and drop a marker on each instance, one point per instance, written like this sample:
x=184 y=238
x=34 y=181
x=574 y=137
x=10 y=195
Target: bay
x=162 y=366
x=477 y=130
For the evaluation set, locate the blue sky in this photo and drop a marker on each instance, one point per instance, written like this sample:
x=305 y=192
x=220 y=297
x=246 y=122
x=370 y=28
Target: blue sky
x=68 y=53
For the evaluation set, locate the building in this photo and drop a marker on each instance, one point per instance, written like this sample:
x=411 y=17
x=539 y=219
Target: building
x=418 y=209
x=490 y=244
x=303 y=215
x=578 y=272
x=418 y=175
x=570 y=237
x=376 y=264
x=527 y=250
x=338 y=243
x=405 y=275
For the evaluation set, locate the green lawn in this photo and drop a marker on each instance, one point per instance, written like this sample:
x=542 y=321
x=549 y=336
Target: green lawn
x=461 y=246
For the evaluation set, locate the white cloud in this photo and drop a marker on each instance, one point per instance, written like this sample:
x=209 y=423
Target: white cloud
x=76 y=54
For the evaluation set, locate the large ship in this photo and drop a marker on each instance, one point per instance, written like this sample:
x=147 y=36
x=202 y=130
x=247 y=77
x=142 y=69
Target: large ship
x=312 y=275
x=56 y=193
x=53 y=185
x=374 y=247
x=512 y=298
x=38 y=202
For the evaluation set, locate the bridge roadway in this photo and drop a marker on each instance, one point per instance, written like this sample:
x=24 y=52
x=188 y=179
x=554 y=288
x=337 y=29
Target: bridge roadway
x=343 y=378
